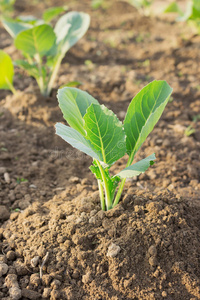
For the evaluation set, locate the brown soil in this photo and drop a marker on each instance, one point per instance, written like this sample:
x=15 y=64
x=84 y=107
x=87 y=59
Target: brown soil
x=148 y=246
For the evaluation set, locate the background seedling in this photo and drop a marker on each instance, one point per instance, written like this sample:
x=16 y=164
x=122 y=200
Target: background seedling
x=96 y=131
x=6 y=7
x=44 y=47
x=191 y=14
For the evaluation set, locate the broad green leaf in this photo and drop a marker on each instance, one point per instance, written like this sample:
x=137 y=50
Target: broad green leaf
x=76 y=140
x=7 y=71
x=31 y=69
x=53 y=12
x=73 y=104
x=137 y=168
x=143 y=113
x=37 y=40
x=70 y=28
x=14 y=27
x=105 y=133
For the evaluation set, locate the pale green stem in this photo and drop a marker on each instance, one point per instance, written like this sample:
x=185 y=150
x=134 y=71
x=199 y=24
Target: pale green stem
x=120 y=190
x=11 y=87
x=40 y=80
x=101 y=194
x=106 y=187
x=54 y=75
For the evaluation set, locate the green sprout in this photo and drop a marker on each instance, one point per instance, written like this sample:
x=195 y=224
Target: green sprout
x=96 y=131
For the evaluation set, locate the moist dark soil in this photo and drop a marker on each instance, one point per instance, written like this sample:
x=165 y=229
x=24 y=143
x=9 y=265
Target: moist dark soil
x=55 y=242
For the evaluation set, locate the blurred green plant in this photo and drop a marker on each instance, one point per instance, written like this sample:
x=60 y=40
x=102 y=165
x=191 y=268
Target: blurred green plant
x=6 y=7
x=43 y=46
x=7 y=72
x=191 y=15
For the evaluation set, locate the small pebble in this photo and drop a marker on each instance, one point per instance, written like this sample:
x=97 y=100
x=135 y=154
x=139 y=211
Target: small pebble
x=35 y=261
x=113 y=250
x=87 y=278
x=153 y=261
x=3 y=269
x=15 y=293
x=4 y=213
x=7 y=177
x=152 y=250
x=11 y=255
x=46 y=293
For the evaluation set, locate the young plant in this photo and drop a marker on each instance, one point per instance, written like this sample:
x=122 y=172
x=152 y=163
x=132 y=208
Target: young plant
x=44 y=47
x=191 y=14
x=96 y=131
x=7 y=72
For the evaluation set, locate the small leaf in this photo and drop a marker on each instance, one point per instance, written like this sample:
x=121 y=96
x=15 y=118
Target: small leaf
x=73 y=104
x=37 y=40
x=105 y=133
x=76 y=140
x=14 y=27
x=143 y=113
x=53 y=12
x=7 y=71
x=70 y=28
x=137 y=168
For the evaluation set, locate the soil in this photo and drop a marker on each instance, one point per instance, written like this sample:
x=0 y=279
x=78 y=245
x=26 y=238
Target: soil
x=55 y=242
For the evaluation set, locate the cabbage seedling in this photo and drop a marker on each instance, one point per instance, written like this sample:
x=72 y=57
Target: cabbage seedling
x=44 y=47
x=7 y=72
x=96 y=131
x=191 y=14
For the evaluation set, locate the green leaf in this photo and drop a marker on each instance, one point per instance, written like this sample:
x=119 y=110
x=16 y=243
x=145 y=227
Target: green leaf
x=137 y=168
x=31 y=69
x=7 y=71
x=76 y=140
x=37 y=40
x=14 y=27
x=73 y=104
x=143 y=113
x=173 y=8
x=105 y=133
x=53 y=12
x=70 y=28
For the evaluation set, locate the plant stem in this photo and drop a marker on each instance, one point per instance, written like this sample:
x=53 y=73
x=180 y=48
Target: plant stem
x=117 y=197
x=120 y=190
x=106 y=187
x=11 y=87
x=40 y=80
x=53 y=75
x=101 y=193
